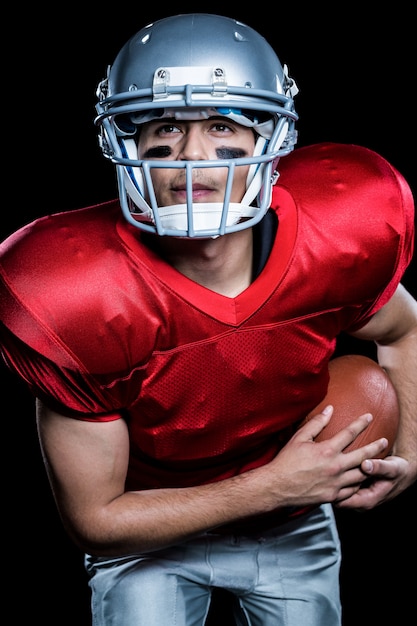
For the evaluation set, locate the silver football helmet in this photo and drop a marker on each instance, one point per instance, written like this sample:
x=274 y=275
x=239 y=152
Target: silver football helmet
x=194 y=66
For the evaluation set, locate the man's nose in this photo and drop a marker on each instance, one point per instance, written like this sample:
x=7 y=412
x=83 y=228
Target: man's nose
x=193 y=145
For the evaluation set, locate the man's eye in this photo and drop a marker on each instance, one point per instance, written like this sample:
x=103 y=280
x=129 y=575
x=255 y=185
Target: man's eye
x=221 y=128
x=167 y=129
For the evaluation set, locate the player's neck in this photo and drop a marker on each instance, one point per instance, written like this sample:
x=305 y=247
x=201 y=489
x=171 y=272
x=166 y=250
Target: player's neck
x=223 y=265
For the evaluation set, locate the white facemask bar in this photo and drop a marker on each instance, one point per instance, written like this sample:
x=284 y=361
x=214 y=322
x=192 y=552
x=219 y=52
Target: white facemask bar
x=189 y=219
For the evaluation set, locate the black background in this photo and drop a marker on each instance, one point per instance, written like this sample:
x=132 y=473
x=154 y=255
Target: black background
x=356 y=74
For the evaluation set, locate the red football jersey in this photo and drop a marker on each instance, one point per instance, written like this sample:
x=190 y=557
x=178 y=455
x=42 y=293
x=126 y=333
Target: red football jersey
x=100 y=327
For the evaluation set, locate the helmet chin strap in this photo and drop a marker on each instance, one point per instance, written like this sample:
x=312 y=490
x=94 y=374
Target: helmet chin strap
x=206 y=216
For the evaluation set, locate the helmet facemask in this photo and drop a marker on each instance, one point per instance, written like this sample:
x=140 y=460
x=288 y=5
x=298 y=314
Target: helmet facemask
x=269 y=113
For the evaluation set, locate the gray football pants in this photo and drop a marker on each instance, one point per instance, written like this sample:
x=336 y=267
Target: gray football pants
x=289 y=576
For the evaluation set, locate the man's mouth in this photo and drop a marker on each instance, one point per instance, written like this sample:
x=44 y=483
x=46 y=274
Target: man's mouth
x=199 y=191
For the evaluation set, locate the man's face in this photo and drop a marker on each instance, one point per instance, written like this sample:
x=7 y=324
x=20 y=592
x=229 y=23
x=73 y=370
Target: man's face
x=209 y=139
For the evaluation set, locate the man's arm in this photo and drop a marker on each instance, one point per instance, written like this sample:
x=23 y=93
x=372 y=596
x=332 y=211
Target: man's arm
x=87 y=464
x=394 y=330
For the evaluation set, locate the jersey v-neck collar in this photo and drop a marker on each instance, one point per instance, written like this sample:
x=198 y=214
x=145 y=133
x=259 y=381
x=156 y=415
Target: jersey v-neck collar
x=235 y=310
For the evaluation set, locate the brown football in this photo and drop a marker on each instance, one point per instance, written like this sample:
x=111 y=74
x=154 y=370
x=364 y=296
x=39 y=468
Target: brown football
x=359 y=385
